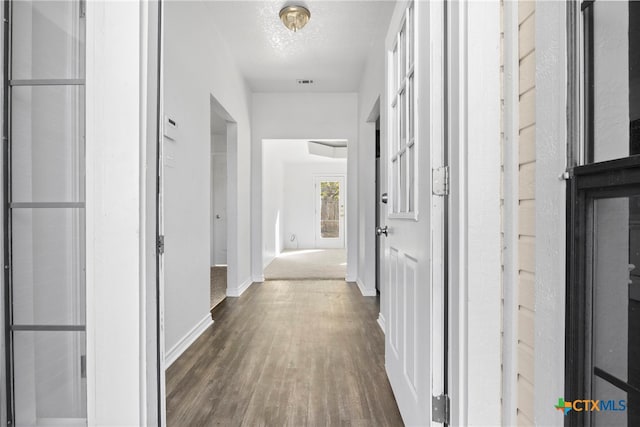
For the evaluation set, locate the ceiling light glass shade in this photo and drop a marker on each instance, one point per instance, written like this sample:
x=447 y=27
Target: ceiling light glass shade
x=295 y=17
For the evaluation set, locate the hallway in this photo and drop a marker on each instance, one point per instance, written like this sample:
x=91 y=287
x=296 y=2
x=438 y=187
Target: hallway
x=301 y=264
x=286 y=353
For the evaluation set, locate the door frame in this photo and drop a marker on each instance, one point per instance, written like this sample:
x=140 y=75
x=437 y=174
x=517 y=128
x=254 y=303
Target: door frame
x=473 y=77
x=318 y=204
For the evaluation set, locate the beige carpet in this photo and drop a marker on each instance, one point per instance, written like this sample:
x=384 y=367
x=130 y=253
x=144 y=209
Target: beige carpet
x=218 y=285
x=308 y=264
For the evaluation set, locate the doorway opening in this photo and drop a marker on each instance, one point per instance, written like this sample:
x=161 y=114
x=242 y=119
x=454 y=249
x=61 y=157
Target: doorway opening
x=379 y=205
x=218 y=220
x=304 y=208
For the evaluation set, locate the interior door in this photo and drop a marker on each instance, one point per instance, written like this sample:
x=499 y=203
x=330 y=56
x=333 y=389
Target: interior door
x=414 y=244
x=329 y=211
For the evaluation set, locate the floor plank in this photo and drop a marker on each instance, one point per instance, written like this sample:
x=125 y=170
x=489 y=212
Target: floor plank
x=286 y=353
x=218 y=279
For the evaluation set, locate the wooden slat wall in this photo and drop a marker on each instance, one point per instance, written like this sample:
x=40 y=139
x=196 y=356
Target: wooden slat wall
x=526 y=211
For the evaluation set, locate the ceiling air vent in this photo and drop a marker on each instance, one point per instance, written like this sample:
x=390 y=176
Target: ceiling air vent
x=305 y=82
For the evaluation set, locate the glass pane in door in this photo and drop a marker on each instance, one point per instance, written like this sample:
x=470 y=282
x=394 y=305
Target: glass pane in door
x=615 y=301
x=616 y=79
x=52 y=381
x=47 y=154
x=48 y=266
x=47 y=39
x=330 y=209
x=46 y=214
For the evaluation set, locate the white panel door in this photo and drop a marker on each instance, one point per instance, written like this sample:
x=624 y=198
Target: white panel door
x=413 y=246
x=329 y=211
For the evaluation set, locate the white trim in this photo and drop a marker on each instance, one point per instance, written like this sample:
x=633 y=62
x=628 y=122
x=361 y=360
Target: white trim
x=474 y=234
x=351 y=278
x=231 y=292
x=266 y=263
x=381 y=322
x=550 y=196
x=185 y=342
x=510 y=215
x=259 y=279
x=363 y=289
x=113 y=200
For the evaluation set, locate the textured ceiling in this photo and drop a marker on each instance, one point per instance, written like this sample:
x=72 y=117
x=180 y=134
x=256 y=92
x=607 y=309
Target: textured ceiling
x=331 y=50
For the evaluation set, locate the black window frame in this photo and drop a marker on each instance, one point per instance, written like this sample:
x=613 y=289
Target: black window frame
x=586 y=183
x=613 y=178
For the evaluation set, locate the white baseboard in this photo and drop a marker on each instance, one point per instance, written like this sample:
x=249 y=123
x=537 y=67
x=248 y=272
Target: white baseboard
x=240 y=290
x=266 y=263
x=381 y=322
x=258 y=278
x=364 y=291
x=351 y=278
x=180 y=347
x=61 y=422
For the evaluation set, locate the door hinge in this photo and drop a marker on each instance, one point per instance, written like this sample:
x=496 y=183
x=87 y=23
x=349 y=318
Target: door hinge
x=440 y=408
x=160 y=245
x=440 y=181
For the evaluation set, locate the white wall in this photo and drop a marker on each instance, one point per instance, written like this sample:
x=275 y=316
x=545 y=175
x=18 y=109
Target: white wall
x=198 y=65
x=272 y=200
x=300 y=199
x=303 y=116
x=550 y=256
x=288 y=203
x=371 y=89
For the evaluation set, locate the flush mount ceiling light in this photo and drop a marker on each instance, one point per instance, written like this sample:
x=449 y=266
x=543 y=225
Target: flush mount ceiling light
x=295 y=17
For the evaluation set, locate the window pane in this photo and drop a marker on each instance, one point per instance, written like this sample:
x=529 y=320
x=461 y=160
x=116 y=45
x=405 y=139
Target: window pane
x=394 y=70
x=411 y=173
x=47 y=150
x=51 y=389
x=606 y=392
x=395 y=206
x=403 y=183
x=394 y=131
x=403 y=55
x=410 y=24
x=48 y=272
x=47 y=39
x=410 y=108
x=330 y=209
x=402 y=123
x=616 y=79
x=614 y=265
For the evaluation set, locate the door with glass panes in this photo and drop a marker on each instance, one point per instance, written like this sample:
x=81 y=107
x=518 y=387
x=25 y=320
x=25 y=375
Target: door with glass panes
x=603 y=306
x=45 y=212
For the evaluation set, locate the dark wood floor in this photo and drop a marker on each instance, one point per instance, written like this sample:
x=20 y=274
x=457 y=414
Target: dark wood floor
x=218 y=284
x=294 y=353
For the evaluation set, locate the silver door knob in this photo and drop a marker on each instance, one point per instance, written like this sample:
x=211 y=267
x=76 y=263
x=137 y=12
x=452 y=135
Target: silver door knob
x=382 y=230
x=384 y=198
x=218 y=216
